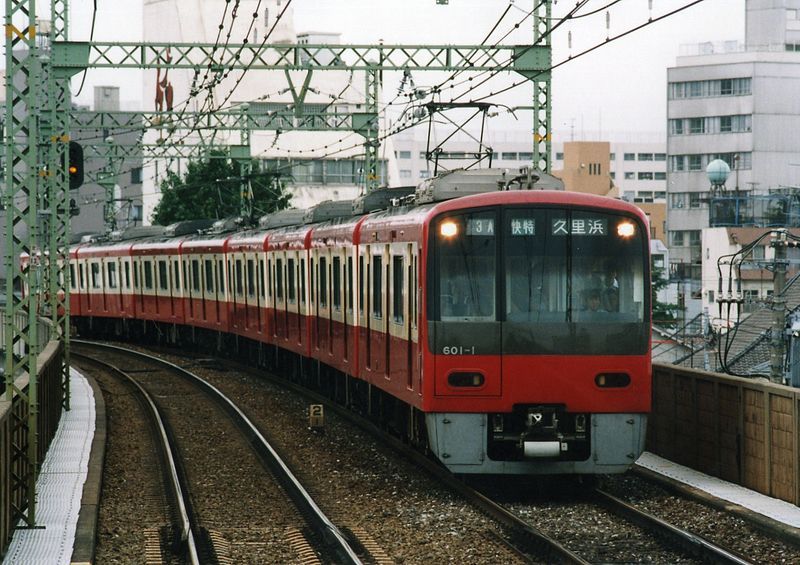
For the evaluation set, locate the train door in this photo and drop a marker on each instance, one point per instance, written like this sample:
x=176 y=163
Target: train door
x=292 y=324
x=337 y=315
x=396 y=315
x=349 y=310
x=302 y=309
x=377 y=284
x=176 y=288
x=262 y=296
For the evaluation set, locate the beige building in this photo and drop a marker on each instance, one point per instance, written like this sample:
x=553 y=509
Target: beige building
x=586 y=168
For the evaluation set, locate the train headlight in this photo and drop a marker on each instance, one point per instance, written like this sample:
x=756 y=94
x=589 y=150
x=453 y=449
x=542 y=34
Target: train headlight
x=626 y=229
x=448 y=228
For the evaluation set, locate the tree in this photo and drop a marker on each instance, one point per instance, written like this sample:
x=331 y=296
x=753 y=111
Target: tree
x=211 y=189
x=664 y=313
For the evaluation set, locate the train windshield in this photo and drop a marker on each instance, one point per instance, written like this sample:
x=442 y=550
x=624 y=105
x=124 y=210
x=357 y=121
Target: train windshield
x=540 y=281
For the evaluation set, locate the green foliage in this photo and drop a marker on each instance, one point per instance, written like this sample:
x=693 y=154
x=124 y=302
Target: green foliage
x=211 y=189
x=664 y=313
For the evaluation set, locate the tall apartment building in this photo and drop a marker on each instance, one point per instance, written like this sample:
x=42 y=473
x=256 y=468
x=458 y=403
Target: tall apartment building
x=735 y=102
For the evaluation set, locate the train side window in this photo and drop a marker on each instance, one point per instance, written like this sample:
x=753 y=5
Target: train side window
x=195 y=272
x=279 y=279
x=209 y=267
x=95 y=274
x=148 y=274
x=112 y=275
x=313 y=288
x=361 y=284
x=349 y=284
x=291 y=286
x=398 y=288
x=377 y=286
x=261 y=279
x=135 y=275
x=251 y=278
x=176 y=274
x=269 y=278
x=323 y=282
x=239 y=278
x=302 y=281
x=72 y=280
x=221 y=276
x=163 y=275
x=82 y=271
x=337 y=283
x=413 y=287
x=127 y=272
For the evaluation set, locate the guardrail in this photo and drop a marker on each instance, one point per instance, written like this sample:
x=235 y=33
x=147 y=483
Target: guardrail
x=745 y=431
x=14 y=465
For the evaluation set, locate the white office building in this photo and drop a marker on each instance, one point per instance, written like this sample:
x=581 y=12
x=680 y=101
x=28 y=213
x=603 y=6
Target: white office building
x=739 y=102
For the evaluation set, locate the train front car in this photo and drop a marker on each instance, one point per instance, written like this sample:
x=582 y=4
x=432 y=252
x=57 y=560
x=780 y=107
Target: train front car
x=538 y=333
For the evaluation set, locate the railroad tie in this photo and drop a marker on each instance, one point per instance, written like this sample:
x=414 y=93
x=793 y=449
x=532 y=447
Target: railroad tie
x=300 y=545
x=368 y=543
x=152 y=547
x=221 y=547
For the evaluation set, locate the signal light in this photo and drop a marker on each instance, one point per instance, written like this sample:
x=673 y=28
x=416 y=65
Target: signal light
x=75 y=165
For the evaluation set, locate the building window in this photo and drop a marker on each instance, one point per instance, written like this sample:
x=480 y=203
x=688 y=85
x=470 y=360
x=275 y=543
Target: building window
x=660 y=175
x=676 y=127
x=509 y=156
x=694 y=238
x=136 y=175
x=660 y=156
x=697 y=125
x=645 y=157
x=405 y=174
x=613 y=175
x=630 y=156
x=526 y=156
x=660 y=195
x=404 y=154
x=676 y=238
x=424 y=174
x=677 y=200
x=695 y=162
x=612 y=157
x=630 y=176
x=677 y=162
x=559 y=156
x=645 y=176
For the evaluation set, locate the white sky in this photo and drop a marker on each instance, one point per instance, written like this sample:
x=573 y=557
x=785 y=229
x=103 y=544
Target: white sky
x=619 y=88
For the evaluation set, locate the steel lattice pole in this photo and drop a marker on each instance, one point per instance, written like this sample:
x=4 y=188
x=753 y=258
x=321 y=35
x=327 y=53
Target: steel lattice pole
x=21 y=200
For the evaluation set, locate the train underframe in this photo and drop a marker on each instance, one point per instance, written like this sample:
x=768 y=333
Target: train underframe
x=530 y=440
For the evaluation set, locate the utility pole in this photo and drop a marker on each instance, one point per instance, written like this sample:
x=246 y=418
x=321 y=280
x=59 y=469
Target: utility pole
x=777 y=349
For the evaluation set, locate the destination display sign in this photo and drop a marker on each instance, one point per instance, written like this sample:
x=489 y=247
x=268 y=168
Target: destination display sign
x=579 y=226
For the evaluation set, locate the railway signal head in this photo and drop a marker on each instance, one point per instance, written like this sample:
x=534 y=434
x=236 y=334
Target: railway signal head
x=75 y=165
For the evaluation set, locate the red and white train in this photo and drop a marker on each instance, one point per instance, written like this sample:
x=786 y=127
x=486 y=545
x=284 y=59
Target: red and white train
x=507 y=329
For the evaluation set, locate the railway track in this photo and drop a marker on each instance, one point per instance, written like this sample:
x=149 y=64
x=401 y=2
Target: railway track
x=512 y=526
x=530 y=543
x=326 y=542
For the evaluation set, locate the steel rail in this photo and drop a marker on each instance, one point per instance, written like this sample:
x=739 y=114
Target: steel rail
x=317 y=519
x=553 y=550
x=187 y=537
x=691 y=542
